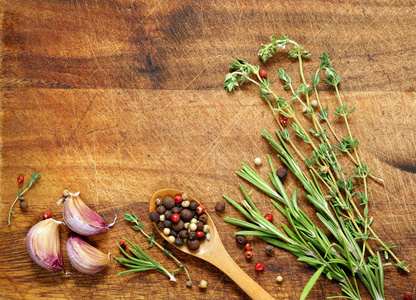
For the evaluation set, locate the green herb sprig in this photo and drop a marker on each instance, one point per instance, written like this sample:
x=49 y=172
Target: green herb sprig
x=140 y=261
x=20 y=194
x=151 y=239
x=342 y=216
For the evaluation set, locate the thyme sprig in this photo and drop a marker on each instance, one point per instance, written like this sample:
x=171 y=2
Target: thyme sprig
x=151 y=239
x=346 y=215
x=140 y=261
x=20 y=194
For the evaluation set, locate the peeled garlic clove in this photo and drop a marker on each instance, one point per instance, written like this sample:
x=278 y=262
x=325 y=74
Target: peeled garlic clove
x=44 y=246
x=80 y=218
x=84 y=257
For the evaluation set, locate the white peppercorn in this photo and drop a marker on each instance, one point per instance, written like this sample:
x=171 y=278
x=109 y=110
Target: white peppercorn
x=257 y=161
x=314 y=103
x=186 y=225
x=206 y=228
x=185 y=203
x=279 y=278
x=192 y=227
x=166 y=231
x=194 y=221
x=208 y=236
x=65 y=193
x=185 y=197
x=203 y=284
x=162 y=218
x=171 y=239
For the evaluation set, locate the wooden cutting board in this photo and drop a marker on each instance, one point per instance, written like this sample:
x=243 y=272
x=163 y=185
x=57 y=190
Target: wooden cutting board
x=117 y=99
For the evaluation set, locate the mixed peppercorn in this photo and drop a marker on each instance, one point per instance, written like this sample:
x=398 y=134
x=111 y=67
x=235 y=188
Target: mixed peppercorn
x=181 y=220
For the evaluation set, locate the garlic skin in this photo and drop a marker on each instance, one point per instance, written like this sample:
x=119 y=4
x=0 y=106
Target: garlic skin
x=80 y=218
x=84 y=257
x=44 y=246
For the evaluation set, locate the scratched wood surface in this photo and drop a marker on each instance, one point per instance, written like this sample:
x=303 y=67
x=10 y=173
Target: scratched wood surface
x=117 y=99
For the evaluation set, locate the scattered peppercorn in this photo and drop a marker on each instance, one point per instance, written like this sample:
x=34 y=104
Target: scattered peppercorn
x=269 y=250
x=248 y=254
x=262 y=74
x=154 y=216
x=259 y=267
x=203 y=284
x=47 y=215
x=408 y=296
x=304 y=109
x=20 y=179
x=178 y=199
x=282 y=119
x=220 y=206
x=247 y=247
x=281 y=173
x=314 y=103
x=241 y=239
x=189 y=284
x=279 y=278
x=257 y=161
x=168 y=202
x=23 y=204
x=268 y=217
x=123 y=245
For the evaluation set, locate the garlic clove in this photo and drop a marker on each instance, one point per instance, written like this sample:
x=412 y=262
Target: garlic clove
x=44 y=246
x=84 y=257
x=80 y=218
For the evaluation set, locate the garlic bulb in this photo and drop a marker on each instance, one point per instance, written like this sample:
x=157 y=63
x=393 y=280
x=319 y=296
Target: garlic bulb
x=44 y=246
x=84 y=257
x=80 y=218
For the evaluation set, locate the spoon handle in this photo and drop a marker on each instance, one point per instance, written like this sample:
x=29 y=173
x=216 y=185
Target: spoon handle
x=223 y=261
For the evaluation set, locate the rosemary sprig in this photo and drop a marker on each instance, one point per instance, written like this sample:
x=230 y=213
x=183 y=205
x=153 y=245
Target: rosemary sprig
x=20 y=194
x=139 y=227
x=324 y=164
x=140 y=262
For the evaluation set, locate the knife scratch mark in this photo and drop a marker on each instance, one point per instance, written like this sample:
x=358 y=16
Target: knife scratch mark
x=224 y=132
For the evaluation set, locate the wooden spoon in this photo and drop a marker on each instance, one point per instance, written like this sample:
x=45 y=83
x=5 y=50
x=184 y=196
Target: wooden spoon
x=213 y=251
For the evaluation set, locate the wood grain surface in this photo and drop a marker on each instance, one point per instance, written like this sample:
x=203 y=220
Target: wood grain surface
x=117 y=99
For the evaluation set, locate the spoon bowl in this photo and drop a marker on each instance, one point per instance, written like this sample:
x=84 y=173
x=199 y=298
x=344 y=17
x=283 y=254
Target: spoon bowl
x=213 y=251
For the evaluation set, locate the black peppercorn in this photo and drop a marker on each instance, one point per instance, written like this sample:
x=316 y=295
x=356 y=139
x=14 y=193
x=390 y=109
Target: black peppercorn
x=220 y=206
x=192 y=235
x=281 y=173
x=168 y=202
x=168 y=214
x=199 y=226
x=154 y=216
x=193 y=244
x=241 y=239
x=269 y=250
x=161 y=210
x=160 y=225
x=23 y=204
x=167 y=223
x=178 y=226
x=183 y=234
x=193 y=205
x=173 y=233
x=186 y=215
x=176 y=210
x=203 y=218
x=178 y=242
